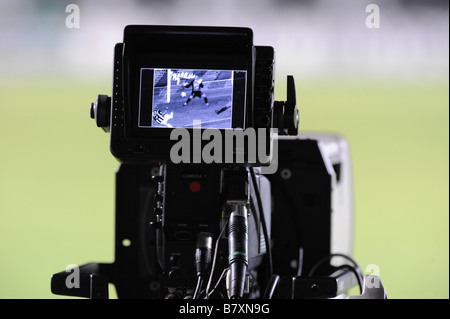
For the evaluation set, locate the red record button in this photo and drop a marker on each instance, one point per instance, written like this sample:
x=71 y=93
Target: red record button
x=194 y=187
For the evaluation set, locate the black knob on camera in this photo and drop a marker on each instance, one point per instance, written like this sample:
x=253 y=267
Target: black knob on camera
x=101 y=111
x=285 y=113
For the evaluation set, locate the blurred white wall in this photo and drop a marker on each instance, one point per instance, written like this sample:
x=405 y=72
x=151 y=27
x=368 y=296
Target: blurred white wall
x=314 y=39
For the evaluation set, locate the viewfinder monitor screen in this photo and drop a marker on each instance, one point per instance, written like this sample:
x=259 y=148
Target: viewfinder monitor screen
x=188 y=98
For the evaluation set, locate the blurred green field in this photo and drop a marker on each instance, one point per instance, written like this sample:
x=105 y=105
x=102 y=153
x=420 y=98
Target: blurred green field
x=57 y=180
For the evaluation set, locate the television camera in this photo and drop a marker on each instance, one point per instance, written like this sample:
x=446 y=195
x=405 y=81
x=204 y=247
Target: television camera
x=217 y=195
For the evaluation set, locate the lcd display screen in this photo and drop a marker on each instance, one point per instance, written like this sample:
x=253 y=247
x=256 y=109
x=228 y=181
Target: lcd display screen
x=184 y=98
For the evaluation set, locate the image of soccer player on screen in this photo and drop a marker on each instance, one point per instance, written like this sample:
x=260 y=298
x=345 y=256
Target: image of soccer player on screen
x=197 y=86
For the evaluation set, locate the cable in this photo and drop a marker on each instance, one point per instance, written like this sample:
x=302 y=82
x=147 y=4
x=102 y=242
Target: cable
x=202 y=258
x=263 y=221
x=218 y=281
x=356 y=269
x=237 y=251
x=198 y=287
x=271 y=286
x=300 y=262
x=355 y=272
x=216 y=248
x=257 y=223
